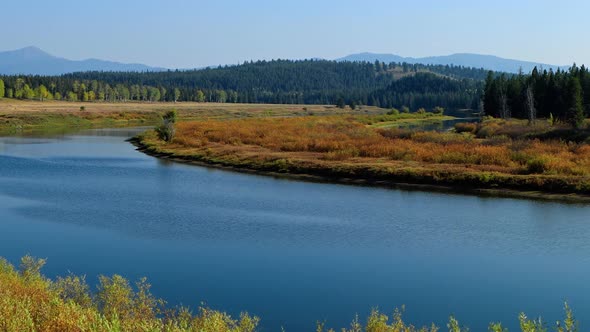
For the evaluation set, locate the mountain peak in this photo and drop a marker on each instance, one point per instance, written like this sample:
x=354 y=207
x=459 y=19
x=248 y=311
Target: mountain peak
x=474 y=60
x=31 y=49
x=30 y=52
x=33 y=60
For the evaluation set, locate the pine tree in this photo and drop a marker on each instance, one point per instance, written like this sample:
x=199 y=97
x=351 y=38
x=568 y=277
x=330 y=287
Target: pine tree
x=575 y=109
x=491 y=96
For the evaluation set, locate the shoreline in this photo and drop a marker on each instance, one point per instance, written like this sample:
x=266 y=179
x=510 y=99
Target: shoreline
x=570 y=198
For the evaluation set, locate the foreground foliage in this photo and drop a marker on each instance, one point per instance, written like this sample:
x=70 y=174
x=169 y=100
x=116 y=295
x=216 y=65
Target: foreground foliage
x=495 y=154
x=31 y=302
x=380 y=322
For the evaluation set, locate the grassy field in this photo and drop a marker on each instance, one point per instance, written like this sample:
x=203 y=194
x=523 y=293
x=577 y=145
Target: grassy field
x=18 y=116
x=31 y=302
x=494 y=155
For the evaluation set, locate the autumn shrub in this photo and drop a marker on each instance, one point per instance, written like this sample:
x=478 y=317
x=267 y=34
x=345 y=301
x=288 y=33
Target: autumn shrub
x=395 y=132
x=392 y=116
x=440 y=138
x=381 y=322
x=517 y=129
x=487 y=130
x=500 y=140
x=537 y=165
x=466 y=127
x=31 y=302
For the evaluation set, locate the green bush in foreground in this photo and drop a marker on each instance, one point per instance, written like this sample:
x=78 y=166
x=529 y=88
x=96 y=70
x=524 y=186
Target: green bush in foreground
x=31 y=302
x=379 y=322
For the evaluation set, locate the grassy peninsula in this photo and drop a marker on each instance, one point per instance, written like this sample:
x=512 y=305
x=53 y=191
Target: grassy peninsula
x=495 y=155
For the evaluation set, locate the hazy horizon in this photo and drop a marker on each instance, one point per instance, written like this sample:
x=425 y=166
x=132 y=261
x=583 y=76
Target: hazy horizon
x=186 y=34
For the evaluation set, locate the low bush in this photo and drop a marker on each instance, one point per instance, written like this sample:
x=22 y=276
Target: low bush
x=537 y=165
x=393 y=111
x=466 y=127
x=166 y=130
x=31 y=302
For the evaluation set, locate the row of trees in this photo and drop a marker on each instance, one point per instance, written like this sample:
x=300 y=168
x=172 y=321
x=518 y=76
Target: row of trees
x=563 y=95
x=35 y=88
x=278 y=81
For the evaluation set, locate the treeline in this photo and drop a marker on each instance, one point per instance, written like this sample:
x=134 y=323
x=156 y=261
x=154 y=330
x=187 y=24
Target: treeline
x=59 y=88
x=277 y=81
x=561 y=95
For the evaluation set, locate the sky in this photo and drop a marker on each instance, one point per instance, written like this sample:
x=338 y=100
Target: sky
x=195 y=33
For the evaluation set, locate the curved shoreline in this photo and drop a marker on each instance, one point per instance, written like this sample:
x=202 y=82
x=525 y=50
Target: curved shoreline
x=571 y=198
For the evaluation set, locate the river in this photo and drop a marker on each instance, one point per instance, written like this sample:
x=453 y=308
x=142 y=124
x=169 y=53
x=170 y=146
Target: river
x=291 y=252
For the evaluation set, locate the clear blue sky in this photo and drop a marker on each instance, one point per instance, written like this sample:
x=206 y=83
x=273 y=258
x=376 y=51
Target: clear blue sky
x=193 y=33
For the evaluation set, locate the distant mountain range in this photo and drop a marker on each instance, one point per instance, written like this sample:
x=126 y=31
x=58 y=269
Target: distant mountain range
x=460 y=59
x=32 y=60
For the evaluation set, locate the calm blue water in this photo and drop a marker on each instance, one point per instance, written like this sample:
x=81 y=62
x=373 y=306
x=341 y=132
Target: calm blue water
x=291 y=252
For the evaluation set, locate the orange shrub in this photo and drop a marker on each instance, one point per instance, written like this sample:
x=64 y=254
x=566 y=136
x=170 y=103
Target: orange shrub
x=466 y=127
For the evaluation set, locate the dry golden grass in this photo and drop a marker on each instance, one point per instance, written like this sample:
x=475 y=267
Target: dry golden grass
x=343 y=146
x=185 y=109
x=21 y=116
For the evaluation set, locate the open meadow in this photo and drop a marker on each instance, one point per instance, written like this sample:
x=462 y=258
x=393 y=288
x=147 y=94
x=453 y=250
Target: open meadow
x=27 y=115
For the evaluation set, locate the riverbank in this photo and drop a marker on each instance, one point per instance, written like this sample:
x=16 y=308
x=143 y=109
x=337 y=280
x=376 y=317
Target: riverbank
x=342 y=150
x=64 y=122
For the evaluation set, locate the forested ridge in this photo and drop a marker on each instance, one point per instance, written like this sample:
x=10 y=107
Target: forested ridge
x=428 y=90
x=561 y=95
x=277 y=81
